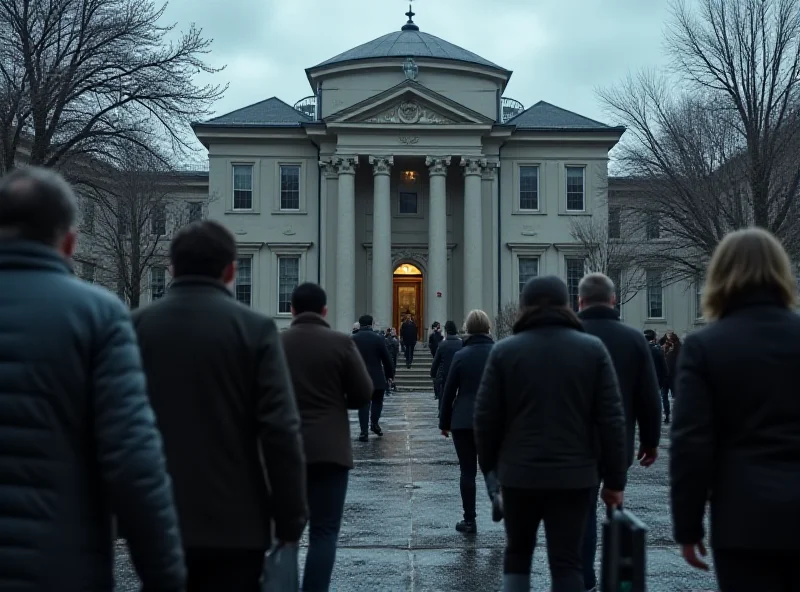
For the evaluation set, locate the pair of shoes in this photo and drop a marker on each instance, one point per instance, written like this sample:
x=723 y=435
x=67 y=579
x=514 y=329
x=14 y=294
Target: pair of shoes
x=376 y=429
x=364 y=437
x=497 y=507
x=467 y=527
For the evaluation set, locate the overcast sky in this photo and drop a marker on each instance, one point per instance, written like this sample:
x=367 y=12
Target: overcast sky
x=559 y=50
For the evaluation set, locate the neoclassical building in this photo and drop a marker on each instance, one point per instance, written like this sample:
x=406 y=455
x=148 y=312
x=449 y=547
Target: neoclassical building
x=407 y=183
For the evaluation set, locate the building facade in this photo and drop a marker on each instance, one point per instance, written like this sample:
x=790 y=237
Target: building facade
x=407 y=184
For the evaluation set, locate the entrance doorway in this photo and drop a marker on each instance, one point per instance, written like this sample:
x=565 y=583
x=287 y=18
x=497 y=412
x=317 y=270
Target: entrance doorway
x=407 y=301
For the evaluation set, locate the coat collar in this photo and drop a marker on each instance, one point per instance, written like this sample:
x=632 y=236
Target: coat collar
x=599 y=311
x=477 y=340
x=198 y=283
x=310 y=318
x=535 y=317
x=22 y=254
x=756 y=297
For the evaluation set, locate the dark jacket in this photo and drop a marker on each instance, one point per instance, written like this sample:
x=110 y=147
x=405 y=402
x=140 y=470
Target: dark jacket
x=329 y=377
x=375 y=354
x=444 y=357
x=433 y=341
x=671 y=357
x=547 y=401
x=408 y=333
x=393 y=344
x=463 y=380
x=78 y=439
x=736 y=430
x=660 y=364
x=219 y=385
x=636 y=374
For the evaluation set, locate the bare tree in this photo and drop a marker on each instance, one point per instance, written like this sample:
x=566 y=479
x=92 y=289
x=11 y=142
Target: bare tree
x=83 y=77
x=133 y=217
x=719 y=154
x=505 y=319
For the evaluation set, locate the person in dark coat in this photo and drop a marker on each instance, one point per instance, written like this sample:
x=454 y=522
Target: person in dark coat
x=329 y=377
x=221 y=391
x=547 y=413
x=736 y=428
x=393 y=344
x=408 y=335
x=672 y=350
x=78 y=437
x=457 y=410
x=638 y=384
x=662 y=374
x=444 y=357
x=372 y=347
x=435 y=337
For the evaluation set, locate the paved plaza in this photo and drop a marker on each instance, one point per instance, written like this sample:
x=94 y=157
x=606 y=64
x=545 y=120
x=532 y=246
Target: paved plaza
x=398 y=531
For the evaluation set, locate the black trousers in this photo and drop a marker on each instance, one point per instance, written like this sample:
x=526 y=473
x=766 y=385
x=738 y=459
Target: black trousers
x=212 y=570
x=410 y=353
x=748 y=570
x=564 y=514
x=467 y=452
x=370 y=414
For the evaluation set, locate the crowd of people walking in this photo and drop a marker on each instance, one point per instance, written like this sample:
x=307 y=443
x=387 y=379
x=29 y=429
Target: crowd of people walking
x=212 y=437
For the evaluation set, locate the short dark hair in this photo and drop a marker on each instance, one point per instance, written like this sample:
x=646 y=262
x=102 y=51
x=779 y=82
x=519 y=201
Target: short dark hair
x=450 y=328
x=650 y=335
x=36 y=204
x=365 y=321
x=203 y=248
x=309 y=297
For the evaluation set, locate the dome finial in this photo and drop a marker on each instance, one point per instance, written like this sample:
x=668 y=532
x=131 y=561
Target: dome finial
x=410 y=26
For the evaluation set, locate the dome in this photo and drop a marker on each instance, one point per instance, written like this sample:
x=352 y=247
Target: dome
x=409 y=42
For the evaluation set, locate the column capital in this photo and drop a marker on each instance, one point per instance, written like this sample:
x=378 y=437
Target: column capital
x=328 y=169
x=437 y=165
x=473 y=166
x=381 y=165
x=490 y=170
x=345 y=165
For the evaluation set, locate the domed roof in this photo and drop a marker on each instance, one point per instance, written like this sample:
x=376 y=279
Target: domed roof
x=409 y=42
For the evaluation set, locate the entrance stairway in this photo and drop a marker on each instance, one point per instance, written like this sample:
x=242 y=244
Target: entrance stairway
x=418 y=377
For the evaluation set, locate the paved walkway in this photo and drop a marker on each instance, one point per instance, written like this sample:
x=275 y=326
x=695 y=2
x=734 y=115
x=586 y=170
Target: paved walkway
x=403 y=502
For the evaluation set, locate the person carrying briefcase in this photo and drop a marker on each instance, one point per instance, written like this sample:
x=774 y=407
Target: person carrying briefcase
x=624 y=552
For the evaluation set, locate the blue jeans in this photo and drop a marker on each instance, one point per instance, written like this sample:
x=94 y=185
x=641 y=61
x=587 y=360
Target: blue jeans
x=590 y=542
x=327 y=489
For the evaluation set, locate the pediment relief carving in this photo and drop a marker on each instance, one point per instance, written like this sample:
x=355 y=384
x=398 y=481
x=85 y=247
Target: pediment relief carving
x=409 y=112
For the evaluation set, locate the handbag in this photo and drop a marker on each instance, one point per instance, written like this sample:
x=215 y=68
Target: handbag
x=281 y=570
x=624 y=566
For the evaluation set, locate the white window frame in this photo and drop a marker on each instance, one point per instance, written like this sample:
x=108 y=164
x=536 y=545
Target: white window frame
x=301 y=197
x=652 y=217
x=520 y=168
x=252 y=168
x=516 y=187
x=524 y=251
x=166 y=281
x=648 y=316
x=297 y=258
x=567 y=260
x=251 y=258
x=278 y=250
x=567 y=168
x=157 y=214
x=699 y=286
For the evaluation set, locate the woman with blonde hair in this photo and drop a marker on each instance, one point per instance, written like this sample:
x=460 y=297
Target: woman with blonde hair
x=736 y=426
x=457 y=408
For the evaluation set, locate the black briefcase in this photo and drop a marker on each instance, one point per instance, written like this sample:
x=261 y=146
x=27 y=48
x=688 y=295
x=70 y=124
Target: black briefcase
x=624 y=566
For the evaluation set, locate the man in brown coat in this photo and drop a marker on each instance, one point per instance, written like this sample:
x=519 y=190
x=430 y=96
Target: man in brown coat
x=329 y=378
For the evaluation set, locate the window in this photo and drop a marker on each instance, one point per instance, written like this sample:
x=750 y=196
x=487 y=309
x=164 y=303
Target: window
x=655 y=295
x=575 y=187
x=244 y=280
x=408 y=202
x=288 y=278
x=123 y=222
x=243 y=187
x=158 y=282
x=614 y=223
x=575 y=269
x=615 y=275
x=87 y=224
x=88 y=271
x=528 y=268
x=195 y=211
x=529 y=188
x=698 y=298
x=158 y=220
x=290 y=187
x=653 y=226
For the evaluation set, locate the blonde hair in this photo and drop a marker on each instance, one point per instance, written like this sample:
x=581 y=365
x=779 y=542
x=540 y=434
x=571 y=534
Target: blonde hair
x=477 y=323
x=745 y=261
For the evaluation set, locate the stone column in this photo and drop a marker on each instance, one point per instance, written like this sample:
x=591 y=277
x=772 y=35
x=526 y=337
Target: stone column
x=473 y=234
x=382 y=241
x=346 y=244
x=437 y=241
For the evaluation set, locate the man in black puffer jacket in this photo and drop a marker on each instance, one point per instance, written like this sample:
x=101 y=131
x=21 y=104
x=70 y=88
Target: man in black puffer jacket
x=78 y=439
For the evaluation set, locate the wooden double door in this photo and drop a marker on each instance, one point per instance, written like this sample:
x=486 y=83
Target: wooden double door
x=408 y=301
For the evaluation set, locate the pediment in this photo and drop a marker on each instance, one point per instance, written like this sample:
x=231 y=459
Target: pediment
x=409 y=104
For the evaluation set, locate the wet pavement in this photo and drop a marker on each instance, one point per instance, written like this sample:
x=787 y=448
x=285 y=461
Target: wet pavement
x=403 y=502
